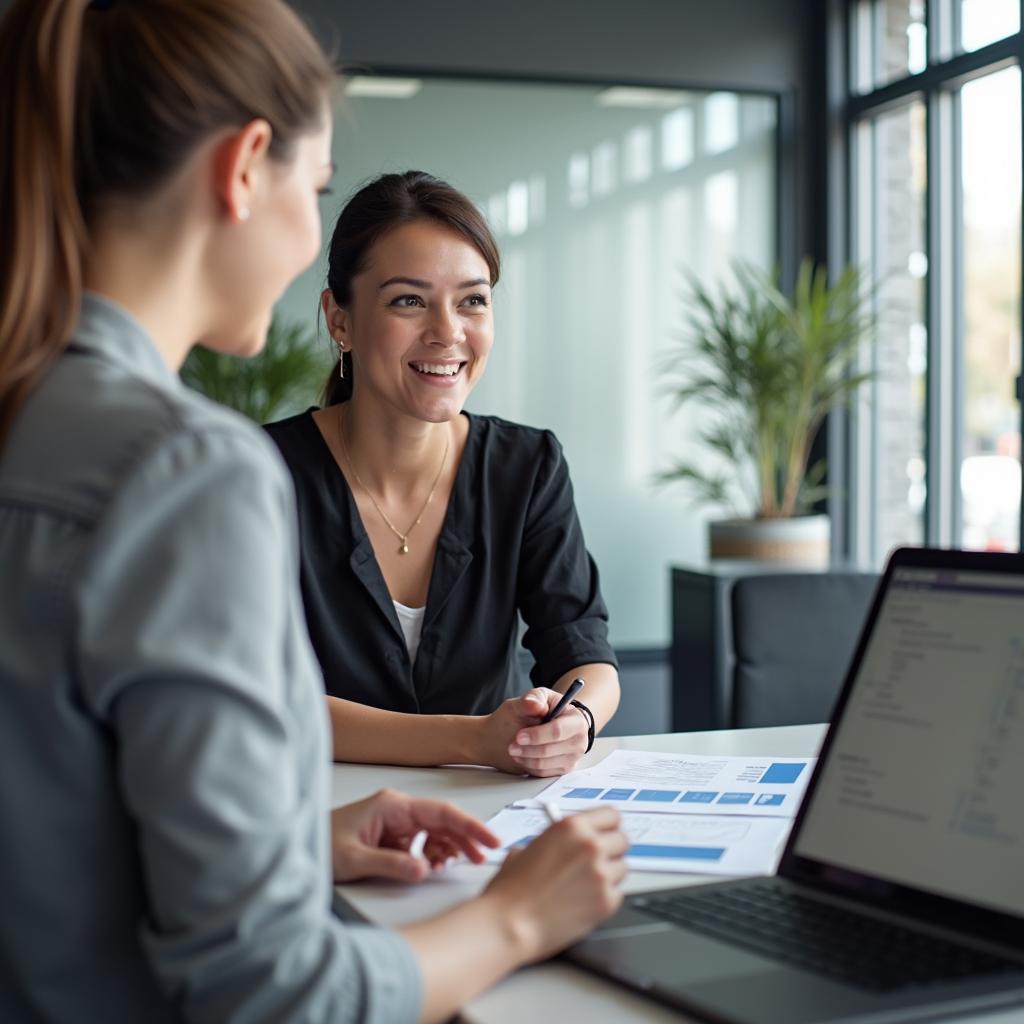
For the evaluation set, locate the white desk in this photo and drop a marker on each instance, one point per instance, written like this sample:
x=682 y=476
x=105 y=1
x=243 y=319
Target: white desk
x=564 y=992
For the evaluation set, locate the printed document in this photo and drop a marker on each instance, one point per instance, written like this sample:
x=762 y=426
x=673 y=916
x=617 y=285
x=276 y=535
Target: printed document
x=698 y=844
x=634 y=780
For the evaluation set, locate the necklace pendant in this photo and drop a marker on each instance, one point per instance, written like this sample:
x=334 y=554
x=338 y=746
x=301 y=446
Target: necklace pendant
x=404 y=549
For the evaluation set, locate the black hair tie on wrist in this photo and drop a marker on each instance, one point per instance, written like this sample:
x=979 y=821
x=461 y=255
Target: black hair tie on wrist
x=589 y=715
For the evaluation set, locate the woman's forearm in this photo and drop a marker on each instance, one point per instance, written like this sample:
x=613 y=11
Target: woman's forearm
x=601 y=693
x=368 y=735
x=542 y=899
x=476 y=933
x=371 y=736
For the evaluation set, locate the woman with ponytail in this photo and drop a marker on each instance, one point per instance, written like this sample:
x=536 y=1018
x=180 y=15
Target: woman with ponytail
x=167 y=850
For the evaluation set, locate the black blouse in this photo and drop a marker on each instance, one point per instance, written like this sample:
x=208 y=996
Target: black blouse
x=510 y=543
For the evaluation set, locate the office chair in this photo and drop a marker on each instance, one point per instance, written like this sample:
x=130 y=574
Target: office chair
x=793 y=637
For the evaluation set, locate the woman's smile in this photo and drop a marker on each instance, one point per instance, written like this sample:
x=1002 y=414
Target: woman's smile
x=419 y=322
x=438 y=373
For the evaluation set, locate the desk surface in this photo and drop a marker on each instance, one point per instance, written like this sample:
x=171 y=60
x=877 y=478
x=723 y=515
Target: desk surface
x=562 y=990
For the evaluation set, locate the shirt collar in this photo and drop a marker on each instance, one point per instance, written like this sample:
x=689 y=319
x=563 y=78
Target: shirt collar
x=110 y=331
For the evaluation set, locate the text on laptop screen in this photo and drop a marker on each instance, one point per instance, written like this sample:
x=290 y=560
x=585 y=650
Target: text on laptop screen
x=924 y=781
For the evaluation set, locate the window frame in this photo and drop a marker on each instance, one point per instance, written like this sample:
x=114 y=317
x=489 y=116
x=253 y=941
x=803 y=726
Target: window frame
x=937 y=86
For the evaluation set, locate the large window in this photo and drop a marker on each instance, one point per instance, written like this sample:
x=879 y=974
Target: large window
x=890 y=244
x=601 y=197
x=990 y=154
x=935 y=197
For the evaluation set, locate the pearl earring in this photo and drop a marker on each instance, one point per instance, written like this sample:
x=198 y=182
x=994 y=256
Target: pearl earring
x=243 y=213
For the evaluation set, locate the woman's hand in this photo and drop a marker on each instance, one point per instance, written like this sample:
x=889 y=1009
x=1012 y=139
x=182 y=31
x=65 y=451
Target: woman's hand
x=517 y=740
x=371 y=838
x=564 y=883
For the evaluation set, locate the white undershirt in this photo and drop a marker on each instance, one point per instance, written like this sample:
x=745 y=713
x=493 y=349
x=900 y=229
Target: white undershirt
x=411 y=621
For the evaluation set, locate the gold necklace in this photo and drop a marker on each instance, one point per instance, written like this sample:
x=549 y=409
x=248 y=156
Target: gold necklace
x=403 y=537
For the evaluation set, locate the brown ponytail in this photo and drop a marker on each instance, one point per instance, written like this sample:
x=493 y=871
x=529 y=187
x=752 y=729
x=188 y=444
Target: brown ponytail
x=102 y=102
x=42 y=236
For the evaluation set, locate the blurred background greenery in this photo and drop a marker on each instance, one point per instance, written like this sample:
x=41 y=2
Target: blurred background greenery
x=285 y=378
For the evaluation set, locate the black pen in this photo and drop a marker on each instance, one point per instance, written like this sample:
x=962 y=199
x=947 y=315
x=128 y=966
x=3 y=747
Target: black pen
x=574 y=687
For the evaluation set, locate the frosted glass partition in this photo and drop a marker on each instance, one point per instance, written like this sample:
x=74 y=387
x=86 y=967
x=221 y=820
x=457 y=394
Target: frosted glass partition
x=600 y=198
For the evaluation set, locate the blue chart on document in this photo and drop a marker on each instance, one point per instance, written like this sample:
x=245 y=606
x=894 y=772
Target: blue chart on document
x=684 y=813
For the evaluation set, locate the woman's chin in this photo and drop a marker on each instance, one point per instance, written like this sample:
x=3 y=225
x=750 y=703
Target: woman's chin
x=243 y=340
x=440 y=410
x=252 y=346
x=254 y=341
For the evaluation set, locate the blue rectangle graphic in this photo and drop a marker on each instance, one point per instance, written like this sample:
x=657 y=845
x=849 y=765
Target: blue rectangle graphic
x=618 y=794
x=783 y=773
x=699 y=796
x=736 y=798
x=658 y=796
x=583 y=793
x=676 y=852
x=770 y=799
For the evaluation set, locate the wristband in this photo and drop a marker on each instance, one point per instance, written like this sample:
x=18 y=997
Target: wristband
x=589 y=716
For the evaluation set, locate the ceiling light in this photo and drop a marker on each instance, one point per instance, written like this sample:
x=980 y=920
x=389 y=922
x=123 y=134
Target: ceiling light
x=370 y=87
x=631 y=96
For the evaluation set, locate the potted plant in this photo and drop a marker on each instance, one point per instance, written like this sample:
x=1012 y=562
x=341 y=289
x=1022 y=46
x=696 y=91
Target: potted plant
x=765 y=368
x=283 y=378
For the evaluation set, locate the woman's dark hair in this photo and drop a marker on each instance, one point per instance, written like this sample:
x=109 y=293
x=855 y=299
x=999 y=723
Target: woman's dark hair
x=105 y=101
x=384 y=204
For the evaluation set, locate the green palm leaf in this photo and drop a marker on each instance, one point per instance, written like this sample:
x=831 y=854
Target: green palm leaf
x=284 y=378
x=767 y=368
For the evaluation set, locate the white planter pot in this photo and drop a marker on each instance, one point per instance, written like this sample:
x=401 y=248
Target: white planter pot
x=801 y=540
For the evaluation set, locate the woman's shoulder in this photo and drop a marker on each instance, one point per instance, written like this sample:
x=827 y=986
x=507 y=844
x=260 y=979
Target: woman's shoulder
x=512 y=458
x=293 y=436
x=215 y=434
x=291 y=426
x=107 y=431
x=137 y=420
x=154 y=446
x=515 y=440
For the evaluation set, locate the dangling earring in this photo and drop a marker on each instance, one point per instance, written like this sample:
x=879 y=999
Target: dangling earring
x=341 y=362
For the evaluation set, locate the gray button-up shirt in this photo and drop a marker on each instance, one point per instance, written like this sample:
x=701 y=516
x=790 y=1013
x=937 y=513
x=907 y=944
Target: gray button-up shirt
x=164 y=852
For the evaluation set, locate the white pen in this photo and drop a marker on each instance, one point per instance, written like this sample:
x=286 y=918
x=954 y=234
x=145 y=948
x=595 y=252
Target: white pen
x=552 y=810
x=419 y=841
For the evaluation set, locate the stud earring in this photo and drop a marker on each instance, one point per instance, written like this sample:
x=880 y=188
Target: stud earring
x=243 y=213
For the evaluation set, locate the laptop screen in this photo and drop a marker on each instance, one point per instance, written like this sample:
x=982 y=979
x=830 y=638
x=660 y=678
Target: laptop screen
x=923 y=784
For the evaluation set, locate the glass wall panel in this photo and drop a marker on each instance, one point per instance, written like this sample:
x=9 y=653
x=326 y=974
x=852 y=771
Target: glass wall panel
x=890 y=243
x=991 y=162
x=600 y=199
x=984 y=21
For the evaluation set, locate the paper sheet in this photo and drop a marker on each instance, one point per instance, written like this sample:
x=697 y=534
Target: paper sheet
x=634 y=780
x=699 y=844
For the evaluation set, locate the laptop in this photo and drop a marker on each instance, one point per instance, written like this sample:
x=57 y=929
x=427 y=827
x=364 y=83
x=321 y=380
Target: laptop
x=900 y=894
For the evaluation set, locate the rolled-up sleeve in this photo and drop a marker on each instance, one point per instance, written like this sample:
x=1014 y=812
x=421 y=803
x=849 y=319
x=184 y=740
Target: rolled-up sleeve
x=558 y=588
x=193 y=652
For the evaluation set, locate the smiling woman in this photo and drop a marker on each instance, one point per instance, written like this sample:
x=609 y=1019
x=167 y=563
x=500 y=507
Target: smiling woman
x=421 y=336
x=426 y=532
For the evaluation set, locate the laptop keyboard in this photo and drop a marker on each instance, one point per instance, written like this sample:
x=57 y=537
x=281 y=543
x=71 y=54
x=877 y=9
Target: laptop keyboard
x=774 y=921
